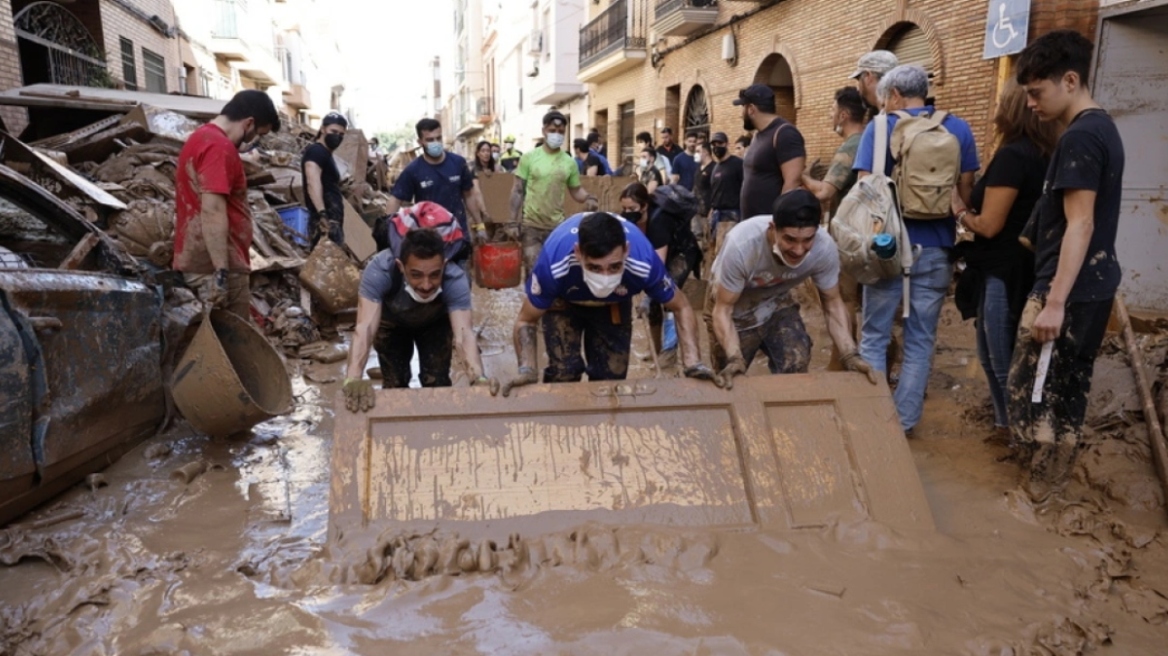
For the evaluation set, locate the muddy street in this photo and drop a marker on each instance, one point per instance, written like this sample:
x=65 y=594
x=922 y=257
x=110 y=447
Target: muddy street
x=188 y=545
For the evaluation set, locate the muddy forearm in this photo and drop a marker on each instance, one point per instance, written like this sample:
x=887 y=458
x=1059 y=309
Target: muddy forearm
x=466 y=342
x=518 y=194
x=525 y=341
x=725 y=331
x=838 y=325
x=362 y=337
x=687 y=333
x=216 y=229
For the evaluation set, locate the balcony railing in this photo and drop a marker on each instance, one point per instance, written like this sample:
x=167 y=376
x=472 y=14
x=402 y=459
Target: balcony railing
x=665 y=7
x=622 y=26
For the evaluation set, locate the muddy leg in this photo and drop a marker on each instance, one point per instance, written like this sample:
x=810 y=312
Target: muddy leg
x=395 y=348
x=563 y=335
x=786 y=342
x=435 y=345
x=532 y=239
x=608 y=335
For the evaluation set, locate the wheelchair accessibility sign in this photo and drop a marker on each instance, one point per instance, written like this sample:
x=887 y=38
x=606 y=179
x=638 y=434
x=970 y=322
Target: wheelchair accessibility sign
x=1006 y=28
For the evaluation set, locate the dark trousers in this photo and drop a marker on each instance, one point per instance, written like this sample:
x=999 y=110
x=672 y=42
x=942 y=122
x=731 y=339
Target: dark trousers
x=783 y=338
x=585 y=339
x=395 y=348
x=1049 y=434
x=319 y=225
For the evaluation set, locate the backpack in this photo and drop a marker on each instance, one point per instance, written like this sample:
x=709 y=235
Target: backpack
x=678 y=202
x=870 y=208
x=928 y=164
x=389 y=231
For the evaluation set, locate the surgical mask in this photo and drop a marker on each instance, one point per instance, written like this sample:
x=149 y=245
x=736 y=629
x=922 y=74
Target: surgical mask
x=422 y=299
x=719 y=151
x=602 y=286
x=434 y=149
x=555 y=140
x=697 y=158
x=644 y=162
x=779 y=254
x=632 y=216
x=495 y=156
x=333 y=141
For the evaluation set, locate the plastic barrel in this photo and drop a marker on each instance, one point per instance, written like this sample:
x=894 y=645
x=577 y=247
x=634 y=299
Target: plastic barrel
x=498 y=265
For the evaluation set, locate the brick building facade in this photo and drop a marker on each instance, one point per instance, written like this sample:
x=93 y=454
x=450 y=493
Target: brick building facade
x=14 y=118
x=127 y=22
x=806 y=49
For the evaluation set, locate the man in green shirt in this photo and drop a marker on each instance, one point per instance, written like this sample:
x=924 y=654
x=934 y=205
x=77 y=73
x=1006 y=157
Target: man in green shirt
x=537 y=198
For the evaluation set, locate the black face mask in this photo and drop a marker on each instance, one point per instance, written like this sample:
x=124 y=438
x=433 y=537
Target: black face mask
x=719 y=151
x=634 y=217
x=333 y=141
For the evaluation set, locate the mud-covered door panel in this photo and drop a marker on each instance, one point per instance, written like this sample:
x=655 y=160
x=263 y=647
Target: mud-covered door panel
x=783 y=451
x=17 y=467
x=99 y=337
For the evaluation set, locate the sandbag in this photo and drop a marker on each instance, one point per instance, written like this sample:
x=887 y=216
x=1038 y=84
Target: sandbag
x=331 y=277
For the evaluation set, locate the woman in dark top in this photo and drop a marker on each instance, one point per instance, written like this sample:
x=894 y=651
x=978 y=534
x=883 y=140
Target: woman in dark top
x=667 y=225
x=482 y=162
x=999 y=269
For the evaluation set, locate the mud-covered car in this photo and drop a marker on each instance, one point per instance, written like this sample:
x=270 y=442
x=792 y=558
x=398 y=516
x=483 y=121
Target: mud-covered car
x=80 y=347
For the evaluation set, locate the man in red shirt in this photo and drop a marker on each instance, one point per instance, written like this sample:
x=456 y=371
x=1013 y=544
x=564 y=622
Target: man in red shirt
x=213 y=229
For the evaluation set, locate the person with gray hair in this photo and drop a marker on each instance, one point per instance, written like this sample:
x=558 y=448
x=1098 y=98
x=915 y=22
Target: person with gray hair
x=902 y=92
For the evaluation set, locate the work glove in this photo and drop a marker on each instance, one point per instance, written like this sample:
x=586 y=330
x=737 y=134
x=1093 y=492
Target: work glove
x=215 y=290
x=358 y=394
x=591 y=204
x=511 y=231
x=479 y=237
x=735 y=366
x=853 y=362
x=700 y=371
x=527 y=376
x=491 y=384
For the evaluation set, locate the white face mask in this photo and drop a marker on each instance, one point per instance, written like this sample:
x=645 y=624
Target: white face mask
x=779 y=254
x=422 y=299
x=697 y=158
x=602 y=286
x=555 y=140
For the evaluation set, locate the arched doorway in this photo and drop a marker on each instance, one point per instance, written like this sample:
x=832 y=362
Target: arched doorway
x=775 y=72
x=697 y=113
x=56 y=48
x=911 y=45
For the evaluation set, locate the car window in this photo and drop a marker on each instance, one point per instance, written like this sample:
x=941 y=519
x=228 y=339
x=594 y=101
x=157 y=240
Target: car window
x=32 y=241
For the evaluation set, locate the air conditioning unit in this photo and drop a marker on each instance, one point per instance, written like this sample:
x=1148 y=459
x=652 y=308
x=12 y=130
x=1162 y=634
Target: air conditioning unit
x=535 y=43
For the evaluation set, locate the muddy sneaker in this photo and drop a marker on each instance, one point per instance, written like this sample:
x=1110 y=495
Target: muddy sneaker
x=667 y=359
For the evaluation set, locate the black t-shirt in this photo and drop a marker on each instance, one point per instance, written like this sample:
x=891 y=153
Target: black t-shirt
x=726 y=184
x=702 y=185
x=669 y=153
x=772 y=147
x=1089 y=156
x=590 y=161
x=1019 y=165
x=330 y=181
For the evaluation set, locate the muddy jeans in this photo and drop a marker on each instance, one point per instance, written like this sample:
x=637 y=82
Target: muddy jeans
x=395 y=348
x=605 y=332
x=783 y=338
x=1050 y=433
x=532 y=239
x=238 y=290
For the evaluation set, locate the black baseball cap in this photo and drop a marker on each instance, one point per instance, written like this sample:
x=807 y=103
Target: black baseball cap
x=795 y=202
x=556 y=118
x=759 y=95
x=719 y=137
x=334 y=118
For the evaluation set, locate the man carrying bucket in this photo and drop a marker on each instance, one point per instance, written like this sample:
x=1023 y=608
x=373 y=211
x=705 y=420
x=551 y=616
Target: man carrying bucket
x=414 y=298
x=582 y=287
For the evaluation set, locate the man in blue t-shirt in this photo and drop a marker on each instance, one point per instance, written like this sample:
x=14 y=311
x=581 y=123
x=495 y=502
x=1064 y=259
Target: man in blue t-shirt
x=444 y=178
x=685 y=167
x=905 y=88
x=582 y=287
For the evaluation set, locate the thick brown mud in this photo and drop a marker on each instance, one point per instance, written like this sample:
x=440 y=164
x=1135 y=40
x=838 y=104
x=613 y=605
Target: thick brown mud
x=196 y=546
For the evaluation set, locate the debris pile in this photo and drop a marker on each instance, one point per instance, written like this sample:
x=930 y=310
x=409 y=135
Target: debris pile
x=120 y=174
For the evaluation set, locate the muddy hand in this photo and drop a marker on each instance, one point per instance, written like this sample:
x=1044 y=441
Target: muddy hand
x=1048 y=324
x=527 y=376
x=735 y=366
x=480 y=237
x=853 y=362
x=491 y=384
x=510 y=231
x=591 y=204
x=358 y=394
x=216 y=290
x=700 y=371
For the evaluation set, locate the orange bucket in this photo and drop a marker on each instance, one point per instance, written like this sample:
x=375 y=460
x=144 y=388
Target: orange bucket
x=498 y=265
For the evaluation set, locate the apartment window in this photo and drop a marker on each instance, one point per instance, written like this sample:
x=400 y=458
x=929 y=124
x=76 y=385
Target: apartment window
x=628 y=115
x=155 y=68
x=129 y=66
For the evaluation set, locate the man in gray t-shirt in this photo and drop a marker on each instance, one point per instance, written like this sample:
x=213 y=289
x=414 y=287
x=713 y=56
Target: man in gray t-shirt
x=415 y=299
x=750 y=307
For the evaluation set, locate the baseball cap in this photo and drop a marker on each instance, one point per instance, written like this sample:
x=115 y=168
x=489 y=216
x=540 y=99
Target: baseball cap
x=554 y=117
x=797 y=201
x=756 y=94
x=334 y=118
x=877 y=61
x=719 y=137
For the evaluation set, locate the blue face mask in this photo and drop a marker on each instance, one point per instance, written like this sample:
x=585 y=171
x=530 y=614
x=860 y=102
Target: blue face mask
x=434 y=149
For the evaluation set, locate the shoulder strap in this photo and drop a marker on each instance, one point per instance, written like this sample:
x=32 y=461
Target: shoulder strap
x=938 y=117
x=880 y=149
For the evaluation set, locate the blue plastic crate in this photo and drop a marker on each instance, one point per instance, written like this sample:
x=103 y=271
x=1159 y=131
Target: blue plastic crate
x=296 y=218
